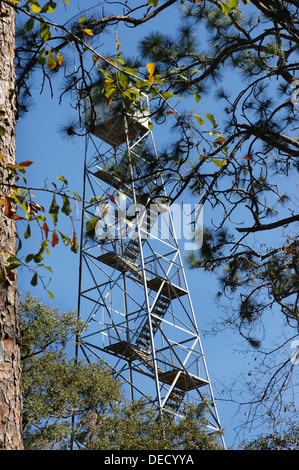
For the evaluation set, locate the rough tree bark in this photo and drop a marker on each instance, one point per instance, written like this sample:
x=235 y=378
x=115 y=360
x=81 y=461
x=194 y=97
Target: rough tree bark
x=10 y=368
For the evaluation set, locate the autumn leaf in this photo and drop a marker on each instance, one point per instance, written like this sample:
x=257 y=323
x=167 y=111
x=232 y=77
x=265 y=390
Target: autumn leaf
x=26 y=163
x=46 y=229
x=7 y=207
x=51 y=61
x=8 y=211
x=60 y=58
x=112 y=199
x=151 y=68
x=87 y=31
x=55 y=239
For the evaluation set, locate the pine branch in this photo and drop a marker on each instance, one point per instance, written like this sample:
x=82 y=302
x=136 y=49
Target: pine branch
x=278 y=223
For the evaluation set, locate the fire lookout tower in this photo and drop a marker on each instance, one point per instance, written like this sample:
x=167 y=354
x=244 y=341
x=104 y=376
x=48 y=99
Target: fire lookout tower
x=133 y=293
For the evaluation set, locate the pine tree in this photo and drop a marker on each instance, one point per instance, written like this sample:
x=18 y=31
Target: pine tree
x=10 y=369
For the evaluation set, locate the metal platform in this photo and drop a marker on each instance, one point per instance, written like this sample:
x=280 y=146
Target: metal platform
x=132 y=352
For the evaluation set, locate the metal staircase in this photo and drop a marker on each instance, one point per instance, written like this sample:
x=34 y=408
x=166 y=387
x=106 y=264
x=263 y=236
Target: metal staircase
x=133 y=293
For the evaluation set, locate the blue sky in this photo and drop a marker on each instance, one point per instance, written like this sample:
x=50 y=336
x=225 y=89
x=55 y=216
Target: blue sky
x=39 y=141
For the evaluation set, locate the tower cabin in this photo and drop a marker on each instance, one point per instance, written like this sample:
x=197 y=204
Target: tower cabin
x=106 y=121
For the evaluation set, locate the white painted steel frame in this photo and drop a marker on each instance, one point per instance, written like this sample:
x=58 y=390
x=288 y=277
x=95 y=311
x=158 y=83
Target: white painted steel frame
x=105 y=286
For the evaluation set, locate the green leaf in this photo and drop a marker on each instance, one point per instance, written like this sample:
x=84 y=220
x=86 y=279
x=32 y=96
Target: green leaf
x=96 y=199
x=142 y=83
x=197 y=96
x=233 y=5
x=91 y=224
x=30 y=24
x=49 y=7
x=13 y=266
x=39 y=256
x=66 y=240
x=219 y=163
x=225 y=8
x=27 y=233
x=29 y=257
x=42 y=57
x=54 y=209
x=2 y=131
x=63 y=179
x=45 y=32
x=66 y=208
x=75 y=245
x=153 y=3
x=166 y=95
x=13 y=259
x=46 y=267
x=198 y=119
x=212 y=119
x=123 y=79
x=77 y=195
x=35 y=7
x=19 y=245
x=34 y=280
x=50 y=294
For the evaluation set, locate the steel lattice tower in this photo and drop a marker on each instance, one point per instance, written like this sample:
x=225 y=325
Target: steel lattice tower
x=133 y=293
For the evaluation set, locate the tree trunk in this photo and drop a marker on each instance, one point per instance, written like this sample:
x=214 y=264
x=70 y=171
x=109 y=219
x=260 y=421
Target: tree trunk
x=10 y=351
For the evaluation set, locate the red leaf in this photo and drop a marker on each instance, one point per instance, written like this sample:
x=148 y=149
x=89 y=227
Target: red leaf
x=17 y=217
x=112 y=199
x=46 y=229
x=54 y=238
x=8 y=212
x=26 y=163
